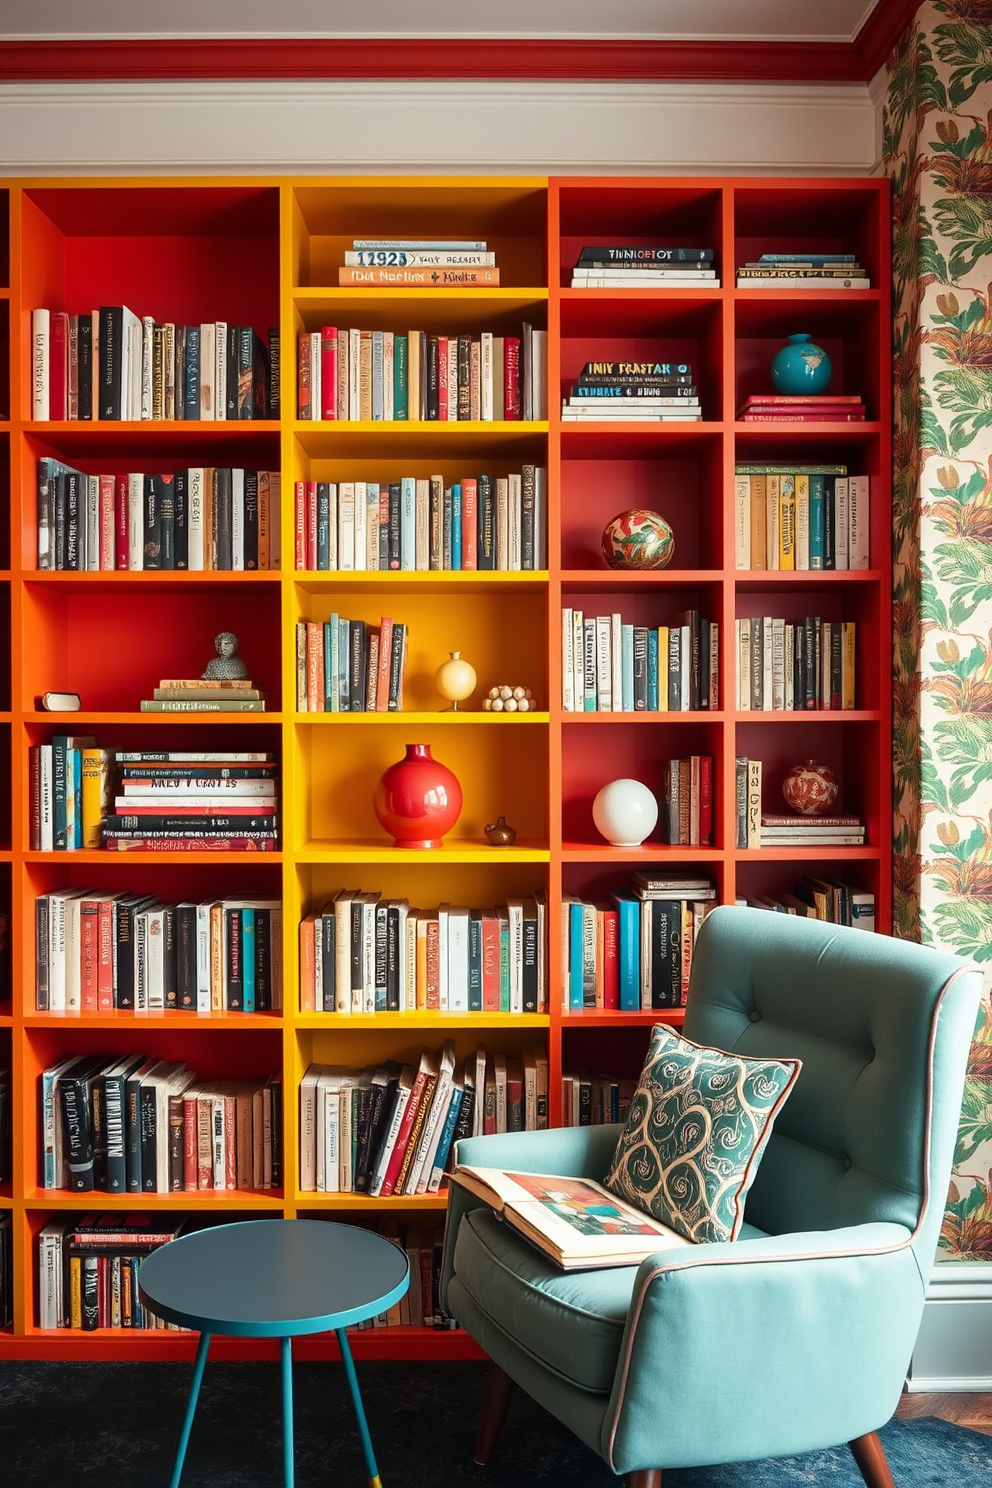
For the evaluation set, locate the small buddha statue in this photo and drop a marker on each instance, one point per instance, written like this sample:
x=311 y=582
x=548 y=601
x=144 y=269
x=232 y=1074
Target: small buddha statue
x=227 y=665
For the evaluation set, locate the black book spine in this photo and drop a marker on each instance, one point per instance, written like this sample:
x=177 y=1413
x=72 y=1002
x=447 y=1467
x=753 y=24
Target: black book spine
x=263 y=960
x=177 y=1130
x=245 y=370
x=152 y=546
x=696 y=674
x=113 y=1110
x=649 y=256
x=661 y=952
x=191 y=384
x=123 y=960
x=89 y=1290
x=181 y=529
x=530 y=960
x=223 y=499
x=527 y=517
x=167 y=520
x=179 y=375
x=396 y=666
x=369 y=1103
x=394 y=558
x=132 y=1114
x=260 y=373
x=42 y=943
x=356 y=950
x=393 y=969
x=170 y=959
x=75 y=506
x=46 y=478
x=111 y=360
x=357 y=654
x=327 y=944
x=810 y=680
x=185 y=957
x=233 y=342
x=214 y=825
x=432 y=378
x=149 y=1136
x=59 y=522
x=463 y=1126
x=234 y=999
x=640 y=669
x=273 y=402
x=98 y=1127
x=464 y=377
x=275 y=1089
x=250 y=536
x=85 y=368
x=487 y=523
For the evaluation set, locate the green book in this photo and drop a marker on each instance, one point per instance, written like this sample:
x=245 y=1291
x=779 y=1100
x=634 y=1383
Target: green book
x=401 y=347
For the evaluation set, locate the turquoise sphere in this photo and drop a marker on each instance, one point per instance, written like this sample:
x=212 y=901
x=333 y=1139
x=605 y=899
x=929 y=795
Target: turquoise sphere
x=800 y=366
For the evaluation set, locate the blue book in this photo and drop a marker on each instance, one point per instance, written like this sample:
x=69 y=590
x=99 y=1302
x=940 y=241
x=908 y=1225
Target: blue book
x=652 y=670
x=504 y=963
x=248 y=960
x=816 y=522
x=447 y=1132
x=575 y=988
x=456 y=527
x=76 y=766
x=408 y=522
x=332 y=687
x=323 y=525
x=627 y=646
x=629 y=911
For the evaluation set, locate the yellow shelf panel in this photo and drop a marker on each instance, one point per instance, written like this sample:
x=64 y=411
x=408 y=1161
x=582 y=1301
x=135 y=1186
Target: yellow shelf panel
x=503 y=296
x=399 y=582
x=435 y=1022
x=453 y=851
x=417 y=719
x=435 y=1201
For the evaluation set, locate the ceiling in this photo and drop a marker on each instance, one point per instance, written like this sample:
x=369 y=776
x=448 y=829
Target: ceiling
x=816 y=21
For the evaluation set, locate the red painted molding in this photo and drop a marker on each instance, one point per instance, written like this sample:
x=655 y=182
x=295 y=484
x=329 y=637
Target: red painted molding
x=881 y=31
x=686 y=61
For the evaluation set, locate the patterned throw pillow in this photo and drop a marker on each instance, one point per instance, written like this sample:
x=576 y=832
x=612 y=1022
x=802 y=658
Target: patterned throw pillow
x=697 y=1127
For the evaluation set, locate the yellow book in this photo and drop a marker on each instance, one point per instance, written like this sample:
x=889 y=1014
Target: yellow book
x=758 y=524
x=771 y=522
x=422 y=921
x=847 y=665
x=217 y=958
x=75 y=1291
x=802 y=523
x=96 y=794
x=787 y=523
x=662 y=668
x=413 y=375
x=365 y=376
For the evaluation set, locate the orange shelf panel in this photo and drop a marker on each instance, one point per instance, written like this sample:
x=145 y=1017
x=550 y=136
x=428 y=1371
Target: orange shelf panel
x=704 y=714
x=434 y=1022
x=649 y=852
x=221 y=1022
x=59 y=1199
x=601 y=1018
x=159 y=856
x=813 y=715
x=807 y=854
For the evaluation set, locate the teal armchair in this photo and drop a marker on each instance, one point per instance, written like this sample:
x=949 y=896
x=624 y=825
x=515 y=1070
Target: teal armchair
x=797 y=1336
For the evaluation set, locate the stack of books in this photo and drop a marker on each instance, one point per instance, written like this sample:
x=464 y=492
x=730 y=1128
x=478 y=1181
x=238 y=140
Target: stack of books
x=804 y=408
x=635 y=953
x=346 y=374
x=406 y=262
x=803 y=271
x=205 y=802
x=812 y=831
x=361 y=953
x=97 y=950
x=595 y=1100
x=609 y=666
x=391 y=1129
x=643 y=266
x=789 y=667
x=347 y=666
x=88 y=1269
x=487 y=523
x=633 y=390
x=822 y=899
x=111 y=364
x=197 y=519
x=800 y=517
x=686 y=816
x=127 y=1124
x=205 y=695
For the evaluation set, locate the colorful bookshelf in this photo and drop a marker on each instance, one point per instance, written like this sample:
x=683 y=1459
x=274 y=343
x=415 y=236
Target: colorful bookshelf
x=266 y=252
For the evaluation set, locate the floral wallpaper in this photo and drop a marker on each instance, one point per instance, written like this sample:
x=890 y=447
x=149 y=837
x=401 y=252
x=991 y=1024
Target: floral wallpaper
x=937 y=150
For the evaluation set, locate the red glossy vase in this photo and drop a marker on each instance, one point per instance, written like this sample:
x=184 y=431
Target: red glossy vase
x=418 y=799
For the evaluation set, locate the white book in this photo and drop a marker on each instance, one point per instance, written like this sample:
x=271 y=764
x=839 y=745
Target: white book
x=403 y=1089
x=41 y=321
x=57 y=969
x=858 y=510
x=458 y=958
x=502 y=524
x=90 y=556
x=361 y=527
x=155 y=958
x=308 y=1128
x=203 y=957
x=423 y=1163
x=135 y=521
x=72 y=952
x=422 y=526
x=346 y=526
x=220 y=375
x=486 y=374
x=616 y=663
x=354 y=373
x=208 y=371
x=238 y=520
x=147 y=364
x=647 y=404
x=776 y=281
x=46 y=799
x=515 y=511
x=344 y=999
x=841 y=522
x=568 y=700
x=316 y=389
x=604 y=665
x=515 y=914
x=778 y=667
x=442 y=956
x=194 y=509
x=802 y=523
x=479 y=1083
x=742 y=521
x=744 y=666
x=369 y=902
x=131 y=383
x=499 y=1079
x=767 y=688
x=328 y=1131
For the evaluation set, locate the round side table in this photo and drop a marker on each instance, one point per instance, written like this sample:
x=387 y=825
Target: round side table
x=274 y=1278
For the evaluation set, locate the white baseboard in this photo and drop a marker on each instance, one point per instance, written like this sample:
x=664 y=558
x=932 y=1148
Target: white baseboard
x=953 y=1351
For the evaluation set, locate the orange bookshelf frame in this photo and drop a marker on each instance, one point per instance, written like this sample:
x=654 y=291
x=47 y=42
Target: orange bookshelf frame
x=264 y=251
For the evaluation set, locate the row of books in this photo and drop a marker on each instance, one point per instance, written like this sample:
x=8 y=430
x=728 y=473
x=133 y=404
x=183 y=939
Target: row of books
x=804 y=408
x=800 y=517
x=420 y=1306
x=803 y=271
x=391 y=1129
x=781 y=665
x=82 y=797
x=348 y=666
x=595 y=1100
x=129 y=1124
x=111 y=364
x=643 y=265
x=361 y=953
x=88 y=1268
x=686 y=805
x=634 y=953
x=633 y=390
x=480 y=522
x=412 y=262
x=96 y=950
x=199 y=519
x=609 y=666
x=822 y=899
x=346 y=375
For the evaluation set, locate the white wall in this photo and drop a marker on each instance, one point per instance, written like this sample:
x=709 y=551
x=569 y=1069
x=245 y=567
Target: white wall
x=385 y=127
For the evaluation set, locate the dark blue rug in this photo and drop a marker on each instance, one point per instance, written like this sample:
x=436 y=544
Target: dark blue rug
x=116 y=1425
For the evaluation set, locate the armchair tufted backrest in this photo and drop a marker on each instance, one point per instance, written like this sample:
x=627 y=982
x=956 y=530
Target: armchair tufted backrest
x=883 y=1028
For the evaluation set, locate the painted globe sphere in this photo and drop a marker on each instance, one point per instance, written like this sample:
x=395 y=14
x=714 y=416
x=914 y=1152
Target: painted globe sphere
x=625 y=812
x=810 y=789
x=800 y=366
x=638 y=539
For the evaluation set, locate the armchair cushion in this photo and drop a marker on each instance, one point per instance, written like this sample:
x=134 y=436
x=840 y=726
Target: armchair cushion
x=697 y=1127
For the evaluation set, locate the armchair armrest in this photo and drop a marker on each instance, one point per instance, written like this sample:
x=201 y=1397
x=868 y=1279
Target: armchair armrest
x=825 y=1320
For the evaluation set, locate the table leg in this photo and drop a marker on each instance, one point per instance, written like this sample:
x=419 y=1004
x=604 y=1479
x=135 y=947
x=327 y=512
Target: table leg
x=287 y=1412
x=363 y=1426
x=191 y=1400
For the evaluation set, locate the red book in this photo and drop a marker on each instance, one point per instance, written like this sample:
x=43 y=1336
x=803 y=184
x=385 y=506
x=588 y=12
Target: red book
x=329 y=372
x=803 y=418
x=89 y=954
x=705 y=800
x=490 y=962
x=470 y=523
x=385 y=664
x=304 y=388
x=403 y=1135
x=442 y=379
x=58 y=366
x=300 y=525
x=511 y=377
x=311 y=562
x=798 y=400
x=176 y=806
x=611 y=959
x=120 y=522
x=190 y=1161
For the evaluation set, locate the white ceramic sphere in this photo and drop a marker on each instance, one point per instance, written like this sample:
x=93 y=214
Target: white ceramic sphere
x=510 y=705
x=625 y=812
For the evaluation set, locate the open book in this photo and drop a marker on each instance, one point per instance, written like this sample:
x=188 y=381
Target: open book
x=578 y=1224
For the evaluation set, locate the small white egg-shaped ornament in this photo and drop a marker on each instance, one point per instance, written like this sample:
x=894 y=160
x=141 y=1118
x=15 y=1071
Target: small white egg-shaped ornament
x=510 y=705
x=506 y=692
x=518 y=693
x=625 y=812
x=494 y=692
x=497 y=705
x=486 y=704
x=523 y=705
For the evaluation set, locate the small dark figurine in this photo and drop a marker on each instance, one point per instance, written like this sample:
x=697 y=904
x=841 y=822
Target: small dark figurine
x=227 y=665
x=499 y=834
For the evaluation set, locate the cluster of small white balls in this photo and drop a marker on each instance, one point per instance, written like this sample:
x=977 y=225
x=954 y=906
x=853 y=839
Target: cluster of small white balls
x=508 y=700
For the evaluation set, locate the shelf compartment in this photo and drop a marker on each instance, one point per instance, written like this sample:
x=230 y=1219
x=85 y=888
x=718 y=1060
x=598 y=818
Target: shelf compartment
x=454 y=850
x=683 y=483
x=760 y=876
x=867 y=606
x=500 y=631
x=849 y=332
x=620 y=213
x=830 y=216
x=858 y=755
x=435 y=312
x=509 y=215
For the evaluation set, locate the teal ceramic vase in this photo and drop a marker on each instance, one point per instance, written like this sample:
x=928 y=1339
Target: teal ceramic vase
x=800 y=366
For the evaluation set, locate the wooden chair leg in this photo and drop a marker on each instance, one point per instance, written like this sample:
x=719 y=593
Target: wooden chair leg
x=869 y=1454
x=645 y=1477
x=497 y=1398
